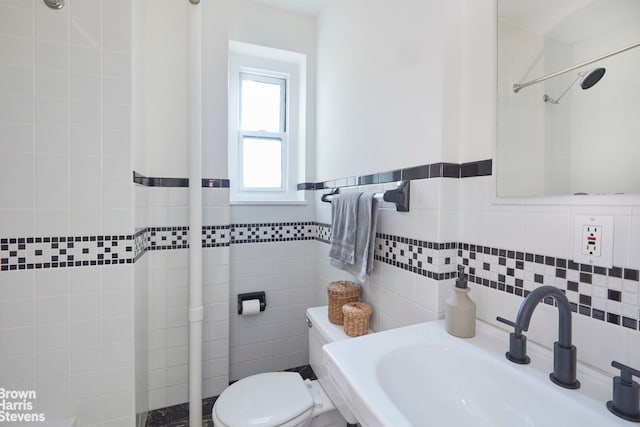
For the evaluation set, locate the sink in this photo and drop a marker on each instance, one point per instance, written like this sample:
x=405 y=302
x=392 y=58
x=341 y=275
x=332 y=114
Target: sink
x=419 y=375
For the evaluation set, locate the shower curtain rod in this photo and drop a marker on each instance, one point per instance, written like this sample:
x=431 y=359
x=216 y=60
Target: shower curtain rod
x=518 y=86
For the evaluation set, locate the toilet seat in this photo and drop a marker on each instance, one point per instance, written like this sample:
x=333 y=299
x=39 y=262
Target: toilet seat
x=264 y=400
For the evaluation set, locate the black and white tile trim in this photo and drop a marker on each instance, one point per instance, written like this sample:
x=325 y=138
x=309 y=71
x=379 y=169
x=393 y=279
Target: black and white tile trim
x=214 y=236
x=162 y=238
x=323 y=232
x=140 y=240
x=434 y=260
x=29 y=253
x=273 y=232
x=607 y=294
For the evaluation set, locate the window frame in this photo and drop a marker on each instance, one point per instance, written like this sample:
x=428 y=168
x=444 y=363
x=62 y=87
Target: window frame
x=240 y=164
x=268 y=64
x=269 y=77
x=263 y=76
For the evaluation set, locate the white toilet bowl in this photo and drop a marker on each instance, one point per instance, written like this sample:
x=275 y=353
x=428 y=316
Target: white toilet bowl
x=271 y=399
x=284 y=399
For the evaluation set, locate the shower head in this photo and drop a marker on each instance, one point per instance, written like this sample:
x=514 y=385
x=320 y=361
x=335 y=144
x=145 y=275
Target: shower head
x=591 y=78
x=588 y=79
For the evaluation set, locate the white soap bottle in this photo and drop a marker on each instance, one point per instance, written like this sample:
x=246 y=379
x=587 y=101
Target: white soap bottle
x=460 y=310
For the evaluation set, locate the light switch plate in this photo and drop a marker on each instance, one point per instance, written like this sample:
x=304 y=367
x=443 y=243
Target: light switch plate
x=593 y=236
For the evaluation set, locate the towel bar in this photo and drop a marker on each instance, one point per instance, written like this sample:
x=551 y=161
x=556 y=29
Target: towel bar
x=398 y=196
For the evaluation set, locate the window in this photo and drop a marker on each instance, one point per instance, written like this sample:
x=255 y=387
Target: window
x=262 y=133
x=266 y=138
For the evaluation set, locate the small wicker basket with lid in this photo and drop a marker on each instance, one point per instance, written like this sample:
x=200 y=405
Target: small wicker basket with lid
x=356 y=318
x=340 y=293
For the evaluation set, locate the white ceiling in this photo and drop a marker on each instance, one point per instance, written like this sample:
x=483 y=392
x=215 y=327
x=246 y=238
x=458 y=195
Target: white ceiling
x=307 y=7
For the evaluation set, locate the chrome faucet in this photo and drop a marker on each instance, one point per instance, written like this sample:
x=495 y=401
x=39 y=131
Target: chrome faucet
x=564 y=353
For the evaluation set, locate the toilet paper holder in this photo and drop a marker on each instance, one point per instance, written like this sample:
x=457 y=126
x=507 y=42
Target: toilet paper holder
x=252 y=295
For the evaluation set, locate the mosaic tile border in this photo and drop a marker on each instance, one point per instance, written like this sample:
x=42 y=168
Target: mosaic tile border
x=273 y=232
x=28 y=253
x=140 y=243
x=431 y=259
x=606 y=294
x=434 y=260
x=323 y=232
x=214 y=236
x=163 y=238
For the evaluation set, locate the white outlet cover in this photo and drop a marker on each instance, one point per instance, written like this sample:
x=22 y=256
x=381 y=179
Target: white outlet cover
x=606 y=240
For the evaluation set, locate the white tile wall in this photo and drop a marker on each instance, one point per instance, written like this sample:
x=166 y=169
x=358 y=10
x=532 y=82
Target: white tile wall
x=548 y=230
x=75 y=346
x=275 y=339
x=63 y=341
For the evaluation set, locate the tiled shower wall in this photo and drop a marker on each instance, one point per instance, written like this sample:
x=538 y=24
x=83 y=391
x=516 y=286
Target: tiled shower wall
x=67 y=333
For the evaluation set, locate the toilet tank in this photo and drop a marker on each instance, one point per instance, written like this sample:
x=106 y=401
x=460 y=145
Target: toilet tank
x=322 y=332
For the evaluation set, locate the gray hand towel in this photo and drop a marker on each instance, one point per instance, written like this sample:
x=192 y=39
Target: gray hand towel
x=365 y=239
x=344 y=220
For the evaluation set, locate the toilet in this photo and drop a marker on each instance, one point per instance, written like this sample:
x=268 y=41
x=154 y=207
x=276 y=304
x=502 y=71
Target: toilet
x=284 y=399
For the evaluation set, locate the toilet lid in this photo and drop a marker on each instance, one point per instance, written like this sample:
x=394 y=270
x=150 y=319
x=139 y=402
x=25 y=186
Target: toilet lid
x=263 y=400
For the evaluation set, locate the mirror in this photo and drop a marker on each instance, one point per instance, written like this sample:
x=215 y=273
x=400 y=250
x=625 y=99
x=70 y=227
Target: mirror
x=564 y=135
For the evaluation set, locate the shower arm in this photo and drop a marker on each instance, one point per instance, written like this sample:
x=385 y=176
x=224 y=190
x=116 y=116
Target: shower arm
x=547 y=98
x=518 y=86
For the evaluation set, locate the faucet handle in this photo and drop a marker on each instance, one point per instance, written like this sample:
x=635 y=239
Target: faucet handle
x=517 y=343
x=506 y=321
x=626 y=393
x=626 y=372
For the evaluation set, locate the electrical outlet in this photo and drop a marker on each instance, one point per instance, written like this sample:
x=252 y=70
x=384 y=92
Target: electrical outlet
x=594 y=240
x=591 y=238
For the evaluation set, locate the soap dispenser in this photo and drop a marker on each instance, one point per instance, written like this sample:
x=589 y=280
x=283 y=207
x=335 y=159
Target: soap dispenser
x=460 y=311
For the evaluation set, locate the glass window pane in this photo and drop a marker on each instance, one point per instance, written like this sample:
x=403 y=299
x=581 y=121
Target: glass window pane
x=260 y=106
x=262 y=162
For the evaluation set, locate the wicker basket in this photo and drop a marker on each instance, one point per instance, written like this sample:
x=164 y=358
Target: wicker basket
x=340 y=293
x=356 y=318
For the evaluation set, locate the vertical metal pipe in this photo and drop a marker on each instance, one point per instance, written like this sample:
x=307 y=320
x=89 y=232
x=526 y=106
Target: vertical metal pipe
x=194 y=40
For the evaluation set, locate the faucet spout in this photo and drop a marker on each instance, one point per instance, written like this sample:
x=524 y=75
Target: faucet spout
x=564 y=353
x=564 y=318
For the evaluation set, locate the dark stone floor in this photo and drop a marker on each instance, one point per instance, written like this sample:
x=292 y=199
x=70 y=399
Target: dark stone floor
x=178 y=415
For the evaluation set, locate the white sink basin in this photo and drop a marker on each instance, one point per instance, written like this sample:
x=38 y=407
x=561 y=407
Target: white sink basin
x=421 y=376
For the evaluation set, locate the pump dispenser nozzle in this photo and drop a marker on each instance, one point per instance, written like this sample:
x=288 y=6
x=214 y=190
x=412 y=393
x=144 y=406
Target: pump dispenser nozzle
x=461 y=281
